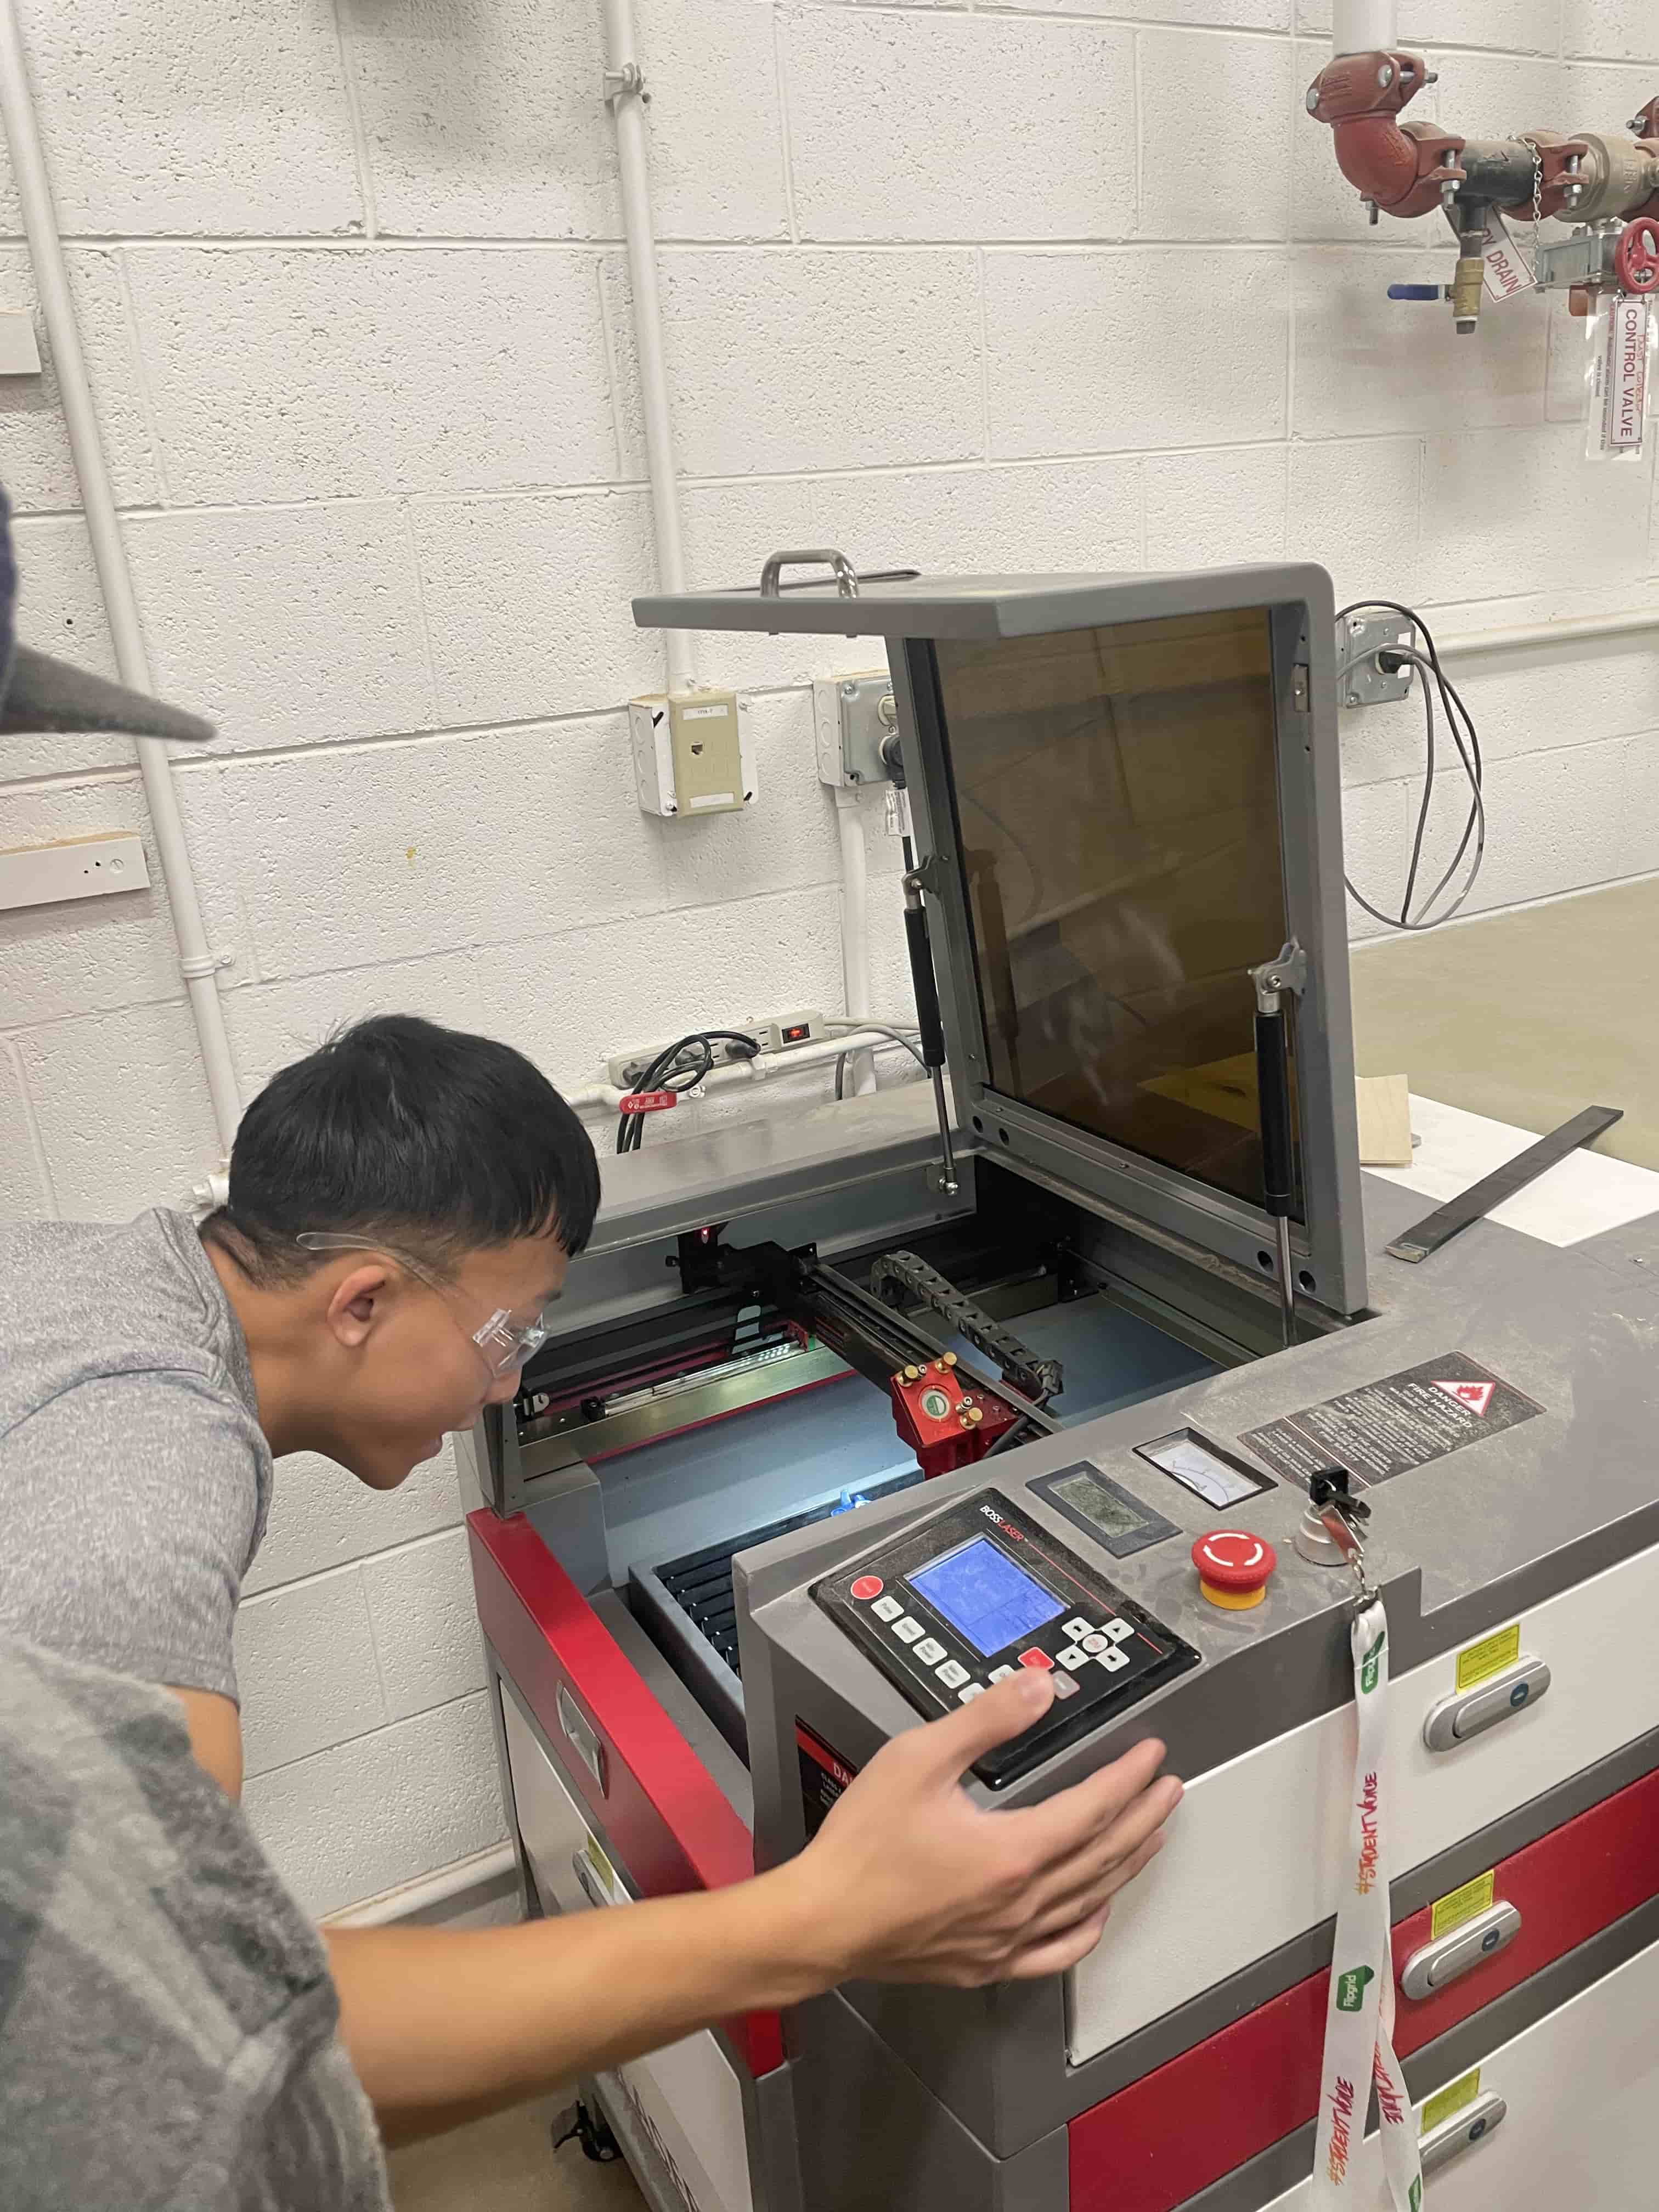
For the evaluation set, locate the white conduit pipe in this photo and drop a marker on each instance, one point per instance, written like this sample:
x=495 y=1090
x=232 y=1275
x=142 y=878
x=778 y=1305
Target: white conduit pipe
x=1362 y=26
x=854 y=928
x=1577 y=629
x=624 y=86
x=196 y=958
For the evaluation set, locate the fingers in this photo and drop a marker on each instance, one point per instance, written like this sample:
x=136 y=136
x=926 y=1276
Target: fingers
x=951 y=1746
x=1077 y=1874
x=1059 y=1953
x=1085 y=1897
x=1064 y=1824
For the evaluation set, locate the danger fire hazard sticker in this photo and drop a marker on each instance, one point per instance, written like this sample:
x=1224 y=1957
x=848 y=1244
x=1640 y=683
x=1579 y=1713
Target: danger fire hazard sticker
x=1386 y=1428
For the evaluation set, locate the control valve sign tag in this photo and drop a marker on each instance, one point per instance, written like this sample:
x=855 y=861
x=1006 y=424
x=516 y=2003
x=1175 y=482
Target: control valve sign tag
x=1359 y=2008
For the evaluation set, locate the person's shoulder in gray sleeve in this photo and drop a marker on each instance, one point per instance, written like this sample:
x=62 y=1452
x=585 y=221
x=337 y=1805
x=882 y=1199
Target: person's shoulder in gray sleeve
x=167 y=2025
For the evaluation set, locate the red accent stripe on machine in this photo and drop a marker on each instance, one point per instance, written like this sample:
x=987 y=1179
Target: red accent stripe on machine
x=664 y=1812
x=1160 y=2139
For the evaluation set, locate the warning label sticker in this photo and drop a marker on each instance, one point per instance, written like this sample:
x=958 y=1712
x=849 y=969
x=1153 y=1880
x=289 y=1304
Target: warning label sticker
x=824 y=1777
x=1387 y=1428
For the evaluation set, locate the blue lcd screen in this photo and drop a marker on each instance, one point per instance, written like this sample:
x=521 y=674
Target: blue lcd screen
x=984 y=1597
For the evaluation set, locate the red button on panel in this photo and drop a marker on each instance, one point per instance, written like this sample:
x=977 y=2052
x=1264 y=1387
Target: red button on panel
x=868 y=1586
x=1035 y=1658
x=1233 y=1567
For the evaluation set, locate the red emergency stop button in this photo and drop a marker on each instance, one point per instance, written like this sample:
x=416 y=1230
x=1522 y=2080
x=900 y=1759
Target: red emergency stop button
x=1233 y=1567
x=868 y=1586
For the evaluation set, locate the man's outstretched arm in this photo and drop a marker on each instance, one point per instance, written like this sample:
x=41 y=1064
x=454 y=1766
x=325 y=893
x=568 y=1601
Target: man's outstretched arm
x=908 y=1880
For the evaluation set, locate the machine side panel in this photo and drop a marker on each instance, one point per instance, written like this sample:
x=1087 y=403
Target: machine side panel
x=654 y=1799
x=1026 y=2094
x=1580 y=2126
x=874 y=2139
x=1182 y=2127
x=1253 y=1854
x=1547 y=1995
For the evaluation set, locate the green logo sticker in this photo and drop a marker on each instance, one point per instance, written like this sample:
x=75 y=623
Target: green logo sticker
x=1371 y=1665
x=1351 y=1988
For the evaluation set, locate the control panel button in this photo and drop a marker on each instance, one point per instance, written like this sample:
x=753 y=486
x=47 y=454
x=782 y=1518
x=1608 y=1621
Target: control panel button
x=951 y=1674
x=1118 y=1631
x=907 y=1630
x=1112 y=1658
x=1093 y=1642
x=867 y=1586
x=887 y=1608
x=1000 y=1673
x=1076 y=1630
x=974 y=1690
x=1072 y=1657
x=1035 y=1658
x=930 y=1651
x=1233 y=1567
x=1065 y=1686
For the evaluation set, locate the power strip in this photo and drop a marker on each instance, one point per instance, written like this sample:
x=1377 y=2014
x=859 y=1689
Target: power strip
x=774 y=1033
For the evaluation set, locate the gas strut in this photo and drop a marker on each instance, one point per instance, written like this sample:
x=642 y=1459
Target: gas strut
x=928 y=1023
x=1274 y=981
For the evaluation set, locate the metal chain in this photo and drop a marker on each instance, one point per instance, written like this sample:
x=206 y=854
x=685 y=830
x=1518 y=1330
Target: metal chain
x=1537 y=200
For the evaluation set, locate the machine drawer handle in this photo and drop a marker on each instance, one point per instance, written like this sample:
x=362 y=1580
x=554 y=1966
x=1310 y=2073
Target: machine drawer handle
x=1430 y=1968
x=584 y=1740
x=1464 y=2129
x=1470 y=1712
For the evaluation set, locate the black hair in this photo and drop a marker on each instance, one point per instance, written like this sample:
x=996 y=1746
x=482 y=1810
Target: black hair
x=440 y=1142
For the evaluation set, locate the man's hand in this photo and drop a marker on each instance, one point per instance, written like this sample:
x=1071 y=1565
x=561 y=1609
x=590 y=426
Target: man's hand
x=910 y=1881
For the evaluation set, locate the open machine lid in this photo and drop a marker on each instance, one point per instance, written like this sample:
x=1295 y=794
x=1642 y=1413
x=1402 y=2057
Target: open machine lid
x=1126 y=796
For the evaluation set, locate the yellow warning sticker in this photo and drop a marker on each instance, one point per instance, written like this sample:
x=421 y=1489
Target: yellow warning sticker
x=1460 y=1904
x=1452 y=2098
x=1476 y=1662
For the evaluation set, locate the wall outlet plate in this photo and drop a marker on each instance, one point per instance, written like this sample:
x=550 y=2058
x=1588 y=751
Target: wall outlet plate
x=1359 y=639
x=72 y=868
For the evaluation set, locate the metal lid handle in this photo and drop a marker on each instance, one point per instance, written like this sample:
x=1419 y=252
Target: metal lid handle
x=847 y=581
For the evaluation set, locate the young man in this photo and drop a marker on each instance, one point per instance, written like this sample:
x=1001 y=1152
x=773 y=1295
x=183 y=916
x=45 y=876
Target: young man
x=404 y=1205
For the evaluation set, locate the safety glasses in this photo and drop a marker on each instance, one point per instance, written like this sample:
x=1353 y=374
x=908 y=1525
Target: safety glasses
x=502 y=1343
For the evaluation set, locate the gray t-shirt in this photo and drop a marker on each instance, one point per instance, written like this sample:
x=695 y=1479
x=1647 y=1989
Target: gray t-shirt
x=168 y=2024
x=134 y=1475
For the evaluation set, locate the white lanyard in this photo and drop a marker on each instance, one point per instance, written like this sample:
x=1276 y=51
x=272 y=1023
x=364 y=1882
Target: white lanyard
x=1359 y=2008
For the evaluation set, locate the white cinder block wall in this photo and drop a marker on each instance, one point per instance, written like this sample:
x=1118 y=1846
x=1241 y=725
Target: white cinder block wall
x=956 y=286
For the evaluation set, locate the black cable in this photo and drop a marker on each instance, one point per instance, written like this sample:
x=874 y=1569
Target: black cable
x=664 y=1073
x=1461 y=723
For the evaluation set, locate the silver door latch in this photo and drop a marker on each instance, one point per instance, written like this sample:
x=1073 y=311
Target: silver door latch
x=1471 y=1712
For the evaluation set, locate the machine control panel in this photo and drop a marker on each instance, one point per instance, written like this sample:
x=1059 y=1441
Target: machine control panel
x=951 y=1607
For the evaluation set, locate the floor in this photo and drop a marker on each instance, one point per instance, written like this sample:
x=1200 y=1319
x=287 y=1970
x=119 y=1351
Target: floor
x=1527 y=1017
x=506 y=2165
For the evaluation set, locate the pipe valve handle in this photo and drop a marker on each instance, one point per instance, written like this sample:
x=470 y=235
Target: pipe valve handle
x=1636 y=256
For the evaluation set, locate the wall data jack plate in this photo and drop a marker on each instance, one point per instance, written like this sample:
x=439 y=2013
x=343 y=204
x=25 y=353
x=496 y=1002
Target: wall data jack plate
x=693 y=752
x=849 y=723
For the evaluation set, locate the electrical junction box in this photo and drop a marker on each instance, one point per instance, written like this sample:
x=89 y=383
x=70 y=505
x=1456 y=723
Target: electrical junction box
x=72 y=868
x=20 y=353
x=693 y=752
x=851 y=715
